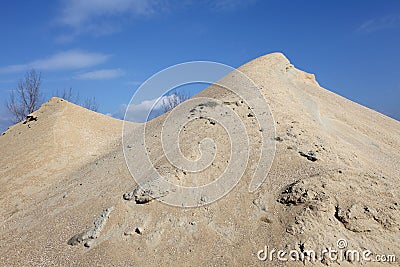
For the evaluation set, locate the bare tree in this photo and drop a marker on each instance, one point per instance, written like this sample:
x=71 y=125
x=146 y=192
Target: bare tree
x=90 y=103
x=68 y=95
x=27 y=97
x=173 y=100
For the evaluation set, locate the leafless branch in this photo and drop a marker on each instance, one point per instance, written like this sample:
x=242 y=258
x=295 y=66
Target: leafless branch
x=90 y=103
x=27 y=97
x=173 y=100
x=68 y=95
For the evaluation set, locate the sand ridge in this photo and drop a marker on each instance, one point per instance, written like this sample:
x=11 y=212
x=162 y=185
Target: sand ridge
x=61 y=171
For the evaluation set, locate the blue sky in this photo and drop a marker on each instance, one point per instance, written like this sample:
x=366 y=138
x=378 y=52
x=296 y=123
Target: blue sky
x=107 y=49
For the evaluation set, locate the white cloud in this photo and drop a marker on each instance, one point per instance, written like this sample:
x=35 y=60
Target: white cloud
x=139 y=112
x=78 y=12
x=100 y=74
x=72 y=59
x=102 y=17
x=375 y=24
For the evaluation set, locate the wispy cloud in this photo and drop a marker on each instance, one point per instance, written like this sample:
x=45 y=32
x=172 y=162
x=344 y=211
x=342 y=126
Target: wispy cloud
x=102 y=17
x=100 y=74
x=229 y=5
x=77 y=12
x=381 y=23
x=137 y=113
x=72 y=59
x=147 y=109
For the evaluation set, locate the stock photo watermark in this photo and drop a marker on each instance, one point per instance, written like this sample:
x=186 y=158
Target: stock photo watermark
x=340 y=253
x=135 y=139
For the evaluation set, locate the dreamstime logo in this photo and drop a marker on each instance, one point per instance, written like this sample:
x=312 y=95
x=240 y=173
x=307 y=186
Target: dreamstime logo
x=138 y=139
x=339 y=254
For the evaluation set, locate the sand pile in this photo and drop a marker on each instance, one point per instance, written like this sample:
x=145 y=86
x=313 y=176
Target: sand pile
x=64 y=182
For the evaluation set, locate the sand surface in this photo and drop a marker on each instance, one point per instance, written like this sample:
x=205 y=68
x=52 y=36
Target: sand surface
x=335 y=175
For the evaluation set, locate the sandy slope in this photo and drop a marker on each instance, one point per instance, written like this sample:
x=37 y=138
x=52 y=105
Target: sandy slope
x=61 y=171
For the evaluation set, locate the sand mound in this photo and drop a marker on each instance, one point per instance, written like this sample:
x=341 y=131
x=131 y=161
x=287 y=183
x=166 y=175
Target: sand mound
x=56 y=139
x=64 y=182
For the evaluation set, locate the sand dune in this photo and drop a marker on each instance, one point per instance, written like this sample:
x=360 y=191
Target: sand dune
x=63 y=177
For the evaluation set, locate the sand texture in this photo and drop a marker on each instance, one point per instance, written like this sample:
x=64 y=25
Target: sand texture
x=67 y=197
